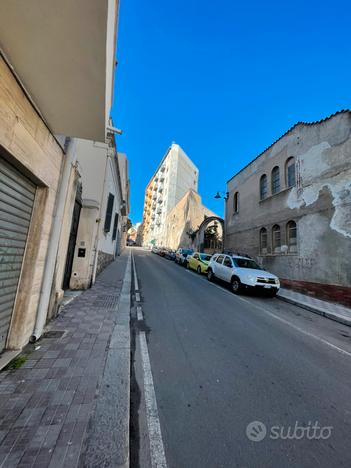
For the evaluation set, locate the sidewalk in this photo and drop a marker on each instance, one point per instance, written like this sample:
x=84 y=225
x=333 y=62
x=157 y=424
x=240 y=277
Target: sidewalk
x=330 y=310
x=46 y=404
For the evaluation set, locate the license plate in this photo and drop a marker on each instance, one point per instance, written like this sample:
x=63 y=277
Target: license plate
x=267 y=286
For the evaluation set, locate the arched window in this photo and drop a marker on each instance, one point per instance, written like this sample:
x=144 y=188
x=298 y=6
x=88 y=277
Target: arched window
x=291 y=236
x=236 y=202
x=275 y=180
x=290 y=172
x=276 y=239
x=263 y=241
x=263 y=187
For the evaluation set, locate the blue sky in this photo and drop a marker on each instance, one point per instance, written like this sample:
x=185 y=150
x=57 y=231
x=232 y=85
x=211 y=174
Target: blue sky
x=224 y=80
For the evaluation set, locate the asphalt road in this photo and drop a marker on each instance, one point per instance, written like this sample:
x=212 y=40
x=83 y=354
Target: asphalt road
x=220 y=362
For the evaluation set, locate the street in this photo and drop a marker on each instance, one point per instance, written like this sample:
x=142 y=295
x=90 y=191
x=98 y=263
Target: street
x=220 y=362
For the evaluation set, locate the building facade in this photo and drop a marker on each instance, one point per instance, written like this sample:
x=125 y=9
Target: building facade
x=100 y=234
x=175 y=175
x=43 y=109
x=290 y=208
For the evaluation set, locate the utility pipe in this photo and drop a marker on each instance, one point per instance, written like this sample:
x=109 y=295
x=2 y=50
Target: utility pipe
x=54 y=239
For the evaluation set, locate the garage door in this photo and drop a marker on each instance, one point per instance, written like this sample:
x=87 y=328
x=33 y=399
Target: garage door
x=16 y=203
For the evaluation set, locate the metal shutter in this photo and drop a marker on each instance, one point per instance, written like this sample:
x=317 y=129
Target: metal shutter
x=16 y=203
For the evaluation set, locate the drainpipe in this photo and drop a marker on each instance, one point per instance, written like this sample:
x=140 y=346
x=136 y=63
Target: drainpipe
x=54 y=239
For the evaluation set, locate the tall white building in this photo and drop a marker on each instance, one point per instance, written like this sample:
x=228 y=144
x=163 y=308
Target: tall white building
x=175 y=175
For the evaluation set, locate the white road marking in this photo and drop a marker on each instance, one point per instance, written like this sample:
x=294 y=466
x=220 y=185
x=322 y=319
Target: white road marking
x=157 y=452
x=137 y=297
x=140 y=313
x=136 y=284
x=286 y=322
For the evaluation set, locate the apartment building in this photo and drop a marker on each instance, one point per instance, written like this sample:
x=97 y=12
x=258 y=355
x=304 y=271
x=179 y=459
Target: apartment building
x=56 y=83
x=174 y=177
x=290 y=208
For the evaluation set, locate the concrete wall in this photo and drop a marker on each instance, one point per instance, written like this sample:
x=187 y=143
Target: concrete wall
x=185 y=218
x=31 y=148
x=319 y=203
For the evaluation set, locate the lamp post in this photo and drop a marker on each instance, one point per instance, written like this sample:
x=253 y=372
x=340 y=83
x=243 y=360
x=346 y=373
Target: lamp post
x=225 y=196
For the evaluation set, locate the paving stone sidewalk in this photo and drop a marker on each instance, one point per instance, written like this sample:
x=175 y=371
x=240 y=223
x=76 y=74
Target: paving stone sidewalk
x=330 y=310
x=45 y=405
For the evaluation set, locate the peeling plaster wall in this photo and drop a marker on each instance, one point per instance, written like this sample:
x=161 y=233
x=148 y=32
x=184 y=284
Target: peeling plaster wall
x=320 y=203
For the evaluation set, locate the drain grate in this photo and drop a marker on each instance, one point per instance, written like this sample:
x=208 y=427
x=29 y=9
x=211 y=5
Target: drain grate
x=54 y=334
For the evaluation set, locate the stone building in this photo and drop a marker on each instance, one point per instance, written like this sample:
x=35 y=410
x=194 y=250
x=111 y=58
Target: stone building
x=175 y=175
x=183 y=221
x=46 y=100
x=290 y=208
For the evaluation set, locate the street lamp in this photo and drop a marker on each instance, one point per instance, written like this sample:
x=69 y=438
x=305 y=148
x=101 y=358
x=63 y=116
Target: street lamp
x=225 y=195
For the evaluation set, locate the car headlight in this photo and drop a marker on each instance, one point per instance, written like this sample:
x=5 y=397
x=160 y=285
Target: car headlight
x=251 y=278
x=276 y=281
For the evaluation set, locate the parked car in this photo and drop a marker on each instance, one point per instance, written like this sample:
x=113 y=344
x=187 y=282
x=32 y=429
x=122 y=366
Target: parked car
x=198 y=261
x=182 y=254
x=161 y=251
x=154 y=249
x=170 y=254
x=242 y=273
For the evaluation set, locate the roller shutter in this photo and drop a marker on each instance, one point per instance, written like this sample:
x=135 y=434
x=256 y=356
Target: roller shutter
x=17 y=194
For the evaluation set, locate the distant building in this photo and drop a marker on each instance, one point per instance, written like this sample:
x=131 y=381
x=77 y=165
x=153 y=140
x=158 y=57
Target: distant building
x=175 y=175
x=291 y=208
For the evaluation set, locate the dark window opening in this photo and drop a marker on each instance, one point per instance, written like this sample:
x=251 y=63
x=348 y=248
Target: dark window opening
x=108 y=215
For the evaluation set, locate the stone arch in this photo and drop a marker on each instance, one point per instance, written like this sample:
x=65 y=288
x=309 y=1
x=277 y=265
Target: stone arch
x=200 y=233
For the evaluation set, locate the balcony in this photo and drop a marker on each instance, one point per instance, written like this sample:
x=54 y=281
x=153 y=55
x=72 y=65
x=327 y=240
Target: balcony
x=163 y=168
x=153 y=216
x=159 y=200
x=160 y=188
x=154 y=196
x=64 y=54
x=154 y=205
x=162 y=177
x=159 y=210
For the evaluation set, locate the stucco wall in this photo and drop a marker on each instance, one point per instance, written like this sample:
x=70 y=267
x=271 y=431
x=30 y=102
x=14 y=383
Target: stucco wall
x=33 y=150
x=185 y=218
x=319 y=204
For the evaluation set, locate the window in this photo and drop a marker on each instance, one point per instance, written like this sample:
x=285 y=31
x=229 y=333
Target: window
x=276 y=240
x=227 y=262
x=196 y=256
x=263 y=187
x=246 y=263
x=291 y=236
x=108 y=215
x=290 y=172
x=220 y=259
x=115 y=224
x=275 y=180
x=236 y=202
x=263 y=241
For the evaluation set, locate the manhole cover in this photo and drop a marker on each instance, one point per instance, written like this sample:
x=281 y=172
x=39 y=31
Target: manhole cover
x=53 y=334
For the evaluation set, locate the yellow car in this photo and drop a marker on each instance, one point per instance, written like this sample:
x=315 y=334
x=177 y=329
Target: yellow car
x=198 y=261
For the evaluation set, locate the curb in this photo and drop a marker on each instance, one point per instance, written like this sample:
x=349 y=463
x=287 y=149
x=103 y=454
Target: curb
x=317 y=310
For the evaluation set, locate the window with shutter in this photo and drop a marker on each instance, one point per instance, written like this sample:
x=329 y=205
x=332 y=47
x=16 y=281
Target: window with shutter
x=115 y=224
x=108 y=216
